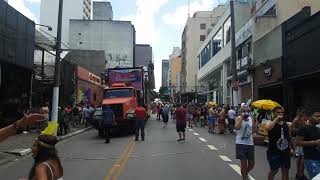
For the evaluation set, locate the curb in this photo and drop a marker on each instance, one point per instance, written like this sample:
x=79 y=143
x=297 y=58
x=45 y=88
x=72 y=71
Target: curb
x=24 y=152
x=61 y=138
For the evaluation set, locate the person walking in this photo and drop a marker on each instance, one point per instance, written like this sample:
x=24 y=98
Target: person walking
x=86 y=114
x=211 y=119
x=108 y=118
x=298 y=122
x=165 y=115
x=181 y=122
x=309 y=138
x=231 y=119
x=47 y=164
x=140 y=115
x=278 y=153
x=245 y=125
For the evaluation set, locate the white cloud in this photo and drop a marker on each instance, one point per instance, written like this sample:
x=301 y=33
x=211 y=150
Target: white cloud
x=20 y=6
x=144 y=20
x=179 y=17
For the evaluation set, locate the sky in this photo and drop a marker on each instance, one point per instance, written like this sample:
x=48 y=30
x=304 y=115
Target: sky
x=159 y=23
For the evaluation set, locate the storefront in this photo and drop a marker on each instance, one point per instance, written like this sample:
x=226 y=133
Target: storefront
x=16 y=62
x=301 y=61
x=268 y=81
x=89 y=87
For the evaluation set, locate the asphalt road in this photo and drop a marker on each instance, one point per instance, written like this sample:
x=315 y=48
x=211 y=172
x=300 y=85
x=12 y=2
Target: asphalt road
x=160 y=156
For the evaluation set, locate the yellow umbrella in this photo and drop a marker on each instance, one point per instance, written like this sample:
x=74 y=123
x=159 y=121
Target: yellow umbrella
x=212 y=104
x=266 y=104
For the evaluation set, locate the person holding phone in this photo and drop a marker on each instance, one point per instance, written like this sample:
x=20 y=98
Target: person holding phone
x=245 y=125
x=280 y=143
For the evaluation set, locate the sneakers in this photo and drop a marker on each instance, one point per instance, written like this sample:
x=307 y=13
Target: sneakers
x=179 y=140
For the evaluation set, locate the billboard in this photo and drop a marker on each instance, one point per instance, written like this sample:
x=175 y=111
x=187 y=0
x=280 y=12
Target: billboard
x=131 y=76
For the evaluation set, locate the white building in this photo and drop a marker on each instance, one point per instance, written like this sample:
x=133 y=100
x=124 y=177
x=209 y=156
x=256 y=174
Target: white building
x=214 y=55
x=102 y=10
x=195 y=31
x=72 y=9
x=116 y=38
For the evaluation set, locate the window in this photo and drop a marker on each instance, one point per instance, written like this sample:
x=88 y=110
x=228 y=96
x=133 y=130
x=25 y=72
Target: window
x=226 y=31
x=217 y=42
x=203 y=26
x=239 y=53
x=202 y=37
x=212 y=24
x=205 y=55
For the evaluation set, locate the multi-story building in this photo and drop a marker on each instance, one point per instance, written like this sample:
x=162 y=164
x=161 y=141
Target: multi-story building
x=75 y=9
x=102 y=11
x=283 y=66
x=175 y=69
x=116 y=38
x=17 y=41
x=195 y=31
x=143 y=55
x=215 y=53
x=176 y=51
x=165 y=73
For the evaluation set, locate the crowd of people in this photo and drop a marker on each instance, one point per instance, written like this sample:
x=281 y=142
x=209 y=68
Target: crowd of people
x=299 y=137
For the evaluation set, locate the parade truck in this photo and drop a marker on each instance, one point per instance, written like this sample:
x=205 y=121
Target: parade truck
x=125 y=92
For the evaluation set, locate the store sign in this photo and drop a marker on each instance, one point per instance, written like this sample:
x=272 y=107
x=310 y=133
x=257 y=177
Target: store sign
x=94 y=79
x=268 y=72
x=244 y=33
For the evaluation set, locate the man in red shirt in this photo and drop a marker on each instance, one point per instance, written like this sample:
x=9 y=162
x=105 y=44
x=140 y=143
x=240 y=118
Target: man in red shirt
x=181 y=122
x=140 y=115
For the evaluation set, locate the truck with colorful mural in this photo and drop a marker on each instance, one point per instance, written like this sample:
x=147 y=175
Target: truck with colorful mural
x=126 y=91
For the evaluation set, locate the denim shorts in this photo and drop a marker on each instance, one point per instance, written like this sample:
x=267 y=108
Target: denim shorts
x=211 y=120
x=245 y=152
x=312 y=167
x=277 y=161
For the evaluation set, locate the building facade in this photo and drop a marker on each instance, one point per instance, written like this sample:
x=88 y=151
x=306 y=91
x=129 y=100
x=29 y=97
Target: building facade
x=75 y=9
x=214 y=56
x=165 y=73
x=143 y=55
x=195 y=32
x=275 y=39
x=116 y=38
x=102 y=11
x=17 y=39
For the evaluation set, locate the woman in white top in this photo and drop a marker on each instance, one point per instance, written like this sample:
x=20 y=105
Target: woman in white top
x=47 y=165
x=245 y=125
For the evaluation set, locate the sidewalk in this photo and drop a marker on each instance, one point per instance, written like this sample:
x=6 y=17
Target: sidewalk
x=20 y=145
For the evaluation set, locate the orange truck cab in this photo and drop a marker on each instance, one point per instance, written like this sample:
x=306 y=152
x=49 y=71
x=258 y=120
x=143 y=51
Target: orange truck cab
x=123 y=100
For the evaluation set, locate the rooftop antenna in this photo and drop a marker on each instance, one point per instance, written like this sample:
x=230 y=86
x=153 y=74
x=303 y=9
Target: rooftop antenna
x=188 y=8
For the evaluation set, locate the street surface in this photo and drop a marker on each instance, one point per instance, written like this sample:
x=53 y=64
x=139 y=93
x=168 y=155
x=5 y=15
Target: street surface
x=160 y=156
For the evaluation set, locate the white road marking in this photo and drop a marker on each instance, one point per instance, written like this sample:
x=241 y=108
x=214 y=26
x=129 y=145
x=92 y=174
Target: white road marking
x=203 y=140
x=196 y=134
x=190 y=130
x=212 y=147
x=225 y=158
x=238 y=170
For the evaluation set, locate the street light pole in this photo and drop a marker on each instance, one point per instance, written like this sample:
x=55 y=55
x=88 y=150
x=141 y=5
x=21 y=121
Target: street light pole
x=55 y=98
x=233 y=57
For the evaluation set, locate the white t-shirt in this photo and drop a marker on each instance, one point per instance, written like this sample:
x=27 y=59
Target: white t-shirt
x=232 y=114
x=244 y=135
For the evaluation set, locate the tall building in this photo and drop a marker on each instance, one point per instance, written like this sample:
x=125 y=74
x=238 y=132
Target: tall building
x=195 y=31
x=214 y=56
x=115 y=38
x=175 y=68
x=102 y=10
x=165 y=73
x=75 y=9
x=143 y=55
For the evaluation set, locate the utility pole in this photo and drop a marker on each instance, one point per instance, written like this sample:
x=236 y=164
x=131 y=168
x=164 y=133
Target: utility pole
x=55 y=98
x=235 y=93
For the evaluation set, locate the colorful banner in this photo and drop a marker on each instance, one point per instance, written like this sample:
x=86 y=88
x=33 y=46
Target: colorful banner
x=132 y=77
